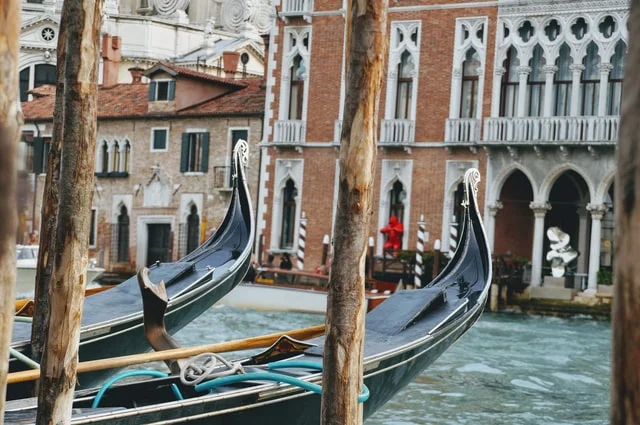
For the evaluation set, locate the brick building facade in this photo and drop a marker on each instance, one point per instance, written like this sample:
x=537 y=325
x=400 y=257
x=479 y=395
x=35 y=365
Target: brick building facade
x=163 y=156
x=528 y=92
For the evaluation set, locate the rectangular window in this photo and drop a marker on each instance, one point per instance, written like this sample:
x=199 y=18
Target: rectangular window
x=93 y=230
x=162 y=90
x=159 y=139
x=195 y=152
x=41 y=147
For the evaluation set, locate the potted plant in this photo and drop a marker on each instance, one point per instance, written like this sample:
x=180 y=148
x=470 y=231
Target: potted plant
x=605 y=281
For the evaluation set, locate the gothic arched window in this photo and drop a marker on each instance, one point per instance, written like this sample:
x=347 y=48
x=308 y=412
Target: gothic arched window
x=105 y=157
x=616 y=77
x=296 y=89
x=193 y=229
x=509 y=92
x=397 y=195
x=126 y=153
x=115 y=157
x=562 y=83
x=405 y=86
x=535 y=84
x=590 y=82
x=123 y=235
x=470 y=77
x=289 y=194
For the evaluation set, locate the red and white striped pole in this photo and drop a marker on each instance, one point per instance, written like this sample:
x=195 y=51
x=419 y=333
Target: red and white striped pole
x=302 y=236
x=453 y=236
x=419 y=268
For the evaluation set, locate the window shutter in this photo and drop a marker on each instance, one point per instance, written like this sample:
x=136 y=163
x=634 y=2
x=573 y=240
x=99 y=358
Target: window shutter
x=204 y=163
x=152 y=90
x=184 y=156
x=172 y=90
x=38 y=155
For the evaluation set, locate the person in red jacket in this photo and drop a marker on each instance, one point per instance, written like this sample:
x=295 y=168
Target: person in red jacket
x=394 y=231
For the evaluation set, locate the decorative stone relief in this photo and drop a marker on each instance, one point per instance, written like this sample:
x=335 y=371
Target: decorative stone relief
x=157 y=193
x=236 y=14
x=169 y=7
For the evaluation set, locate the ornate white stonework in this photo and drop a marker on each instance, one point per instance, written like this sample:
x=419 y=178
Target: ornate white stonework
x=405 y=37
x=552 y=25
x=169 y=7
x=297 y=41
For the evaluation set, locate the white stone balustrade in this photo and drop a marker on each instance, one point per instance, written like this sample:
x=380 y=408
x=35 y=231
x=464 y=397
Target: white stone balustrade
x=290 y=132
x=293 y=7
x=552 y=129
x=397 y=132
x=460 y=130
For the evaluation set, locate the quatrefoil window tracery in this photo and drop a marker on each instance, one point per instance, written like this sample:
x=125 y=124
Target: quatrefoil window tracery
x=526 y=31
x=552 y=30
x=579 y=28
x=607 y=27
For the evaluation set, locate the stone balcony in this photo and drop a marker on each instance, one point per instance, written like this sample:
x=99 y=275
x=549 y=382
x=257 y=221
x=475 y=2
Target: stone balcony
x=297 y=8
x=462 y=130
x=289 y=132
x=584 y=129
x=397 y=133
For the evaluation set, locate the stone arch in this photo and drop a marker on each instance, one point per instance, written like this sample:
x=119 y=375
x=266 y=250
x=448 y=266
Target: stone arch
x=545 y=188
x=603 y=188
x=500 y=179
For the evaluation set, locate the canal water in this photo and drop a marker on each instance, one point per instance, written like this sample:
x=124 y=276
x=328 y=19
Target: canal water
x=508 y=370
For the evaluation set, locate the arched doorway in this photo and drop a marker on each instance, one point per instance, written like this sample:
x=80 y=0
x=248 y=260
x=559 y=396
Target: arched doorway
x=514 y=221
x=568 y=198
x=193 y=229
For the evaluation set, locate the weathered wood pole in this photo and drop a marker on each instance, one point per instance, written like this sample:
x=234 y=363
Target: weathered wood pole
x=70 y=257
x=366 y=38
x=40 y=326
x=10 y=123
x=625 y=383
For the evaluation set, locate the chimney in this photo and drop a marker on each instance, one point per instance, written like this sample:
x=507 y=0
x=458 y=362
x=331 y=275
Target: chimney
x=230 y=63
x=111 y=54
x=136 y=75
x=265 y=40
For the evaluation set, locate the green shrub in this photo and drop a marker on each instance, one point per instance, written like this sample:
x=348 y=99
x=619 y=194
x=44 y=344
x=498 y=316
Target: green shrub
x=605 y=277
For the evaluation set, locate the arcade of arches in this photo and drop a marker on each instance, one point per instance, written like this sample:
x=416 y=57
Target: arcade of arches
x=521 y=222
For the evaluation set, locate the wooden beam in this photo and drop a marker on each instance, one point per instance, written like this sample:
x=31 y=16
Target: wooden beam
x=262 y=341
x=10 y=123
x=625 y=374
x=82 y=19
x=367 y=44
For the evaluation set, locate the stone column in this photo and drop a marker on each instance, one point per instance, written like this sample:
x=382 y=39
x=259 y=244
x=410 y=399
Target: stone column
x=605 y=69
x=539 y=211
x=582 y=238
x=523 y=75
x=491 y=223
x=576 y=72
x=597 y=212
x=456 y=86
x=549 y=74
x=497 y=87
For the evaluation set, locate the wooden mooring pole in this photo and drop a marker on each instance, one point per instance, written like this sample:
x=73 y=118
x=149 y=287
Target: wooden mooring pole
x=625 y=380
x=49 y=219
x=366 y=41
x=82 y=19
x=10 y=123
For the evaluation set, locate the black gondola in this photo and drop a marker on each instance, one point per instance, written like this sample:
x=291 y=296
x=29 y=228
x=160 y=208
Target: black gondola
x=112 y=321
x=405 y=334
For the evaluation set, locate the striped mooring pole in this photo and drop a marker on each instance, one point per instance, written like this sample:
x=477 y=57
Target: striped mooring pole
x=302 y=236
x=419 y=269
x=453 y=236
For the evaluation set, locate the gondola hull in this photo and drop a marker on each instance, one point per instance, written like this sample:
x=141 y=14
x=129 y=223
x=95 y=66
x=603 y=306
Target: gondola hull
x=403 y=336
x=112 y=322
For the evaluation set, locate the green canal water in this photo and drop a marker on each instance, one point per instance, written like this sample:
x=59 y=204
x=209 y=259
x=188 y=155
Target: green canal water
x=508 y=370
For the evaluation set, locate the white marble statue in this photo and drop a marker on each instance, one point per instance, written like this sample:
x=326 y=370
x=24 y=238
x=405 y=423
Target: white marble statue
x=561 y=253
